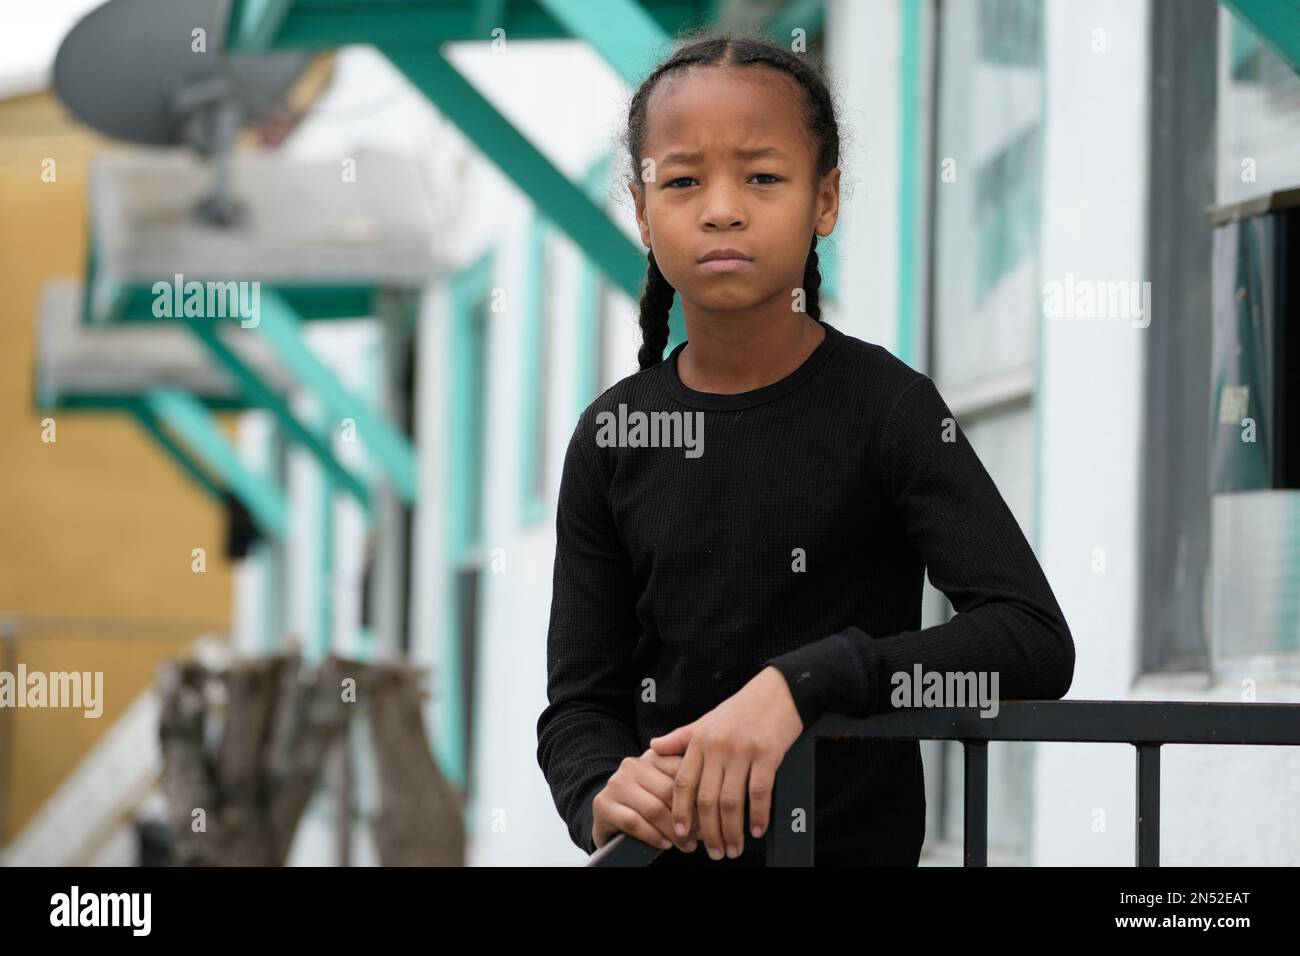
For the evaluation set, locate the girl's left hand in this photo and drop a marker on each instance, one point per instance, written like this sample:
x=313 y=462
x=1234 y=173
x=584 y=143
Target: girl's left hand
x=732 y=750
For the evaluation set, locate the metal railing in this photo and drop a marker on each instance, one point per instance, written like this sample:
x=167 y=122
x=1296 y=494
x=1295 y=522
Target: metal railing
x=1145 y=725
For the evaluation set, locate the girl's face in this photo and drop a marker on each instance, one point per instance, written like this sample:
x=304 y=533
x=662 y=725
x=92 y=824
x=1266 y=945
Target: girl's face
x=732 y=168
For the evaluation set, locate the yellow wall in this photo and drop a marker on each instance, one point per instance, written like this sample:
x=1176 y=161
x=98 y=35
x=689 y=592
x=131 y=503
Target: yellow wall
x=96 y=529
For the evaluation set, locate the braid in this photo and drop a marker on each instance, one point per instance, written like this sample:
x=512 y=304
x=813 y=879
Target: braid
x=812 y=283
x=656 y=301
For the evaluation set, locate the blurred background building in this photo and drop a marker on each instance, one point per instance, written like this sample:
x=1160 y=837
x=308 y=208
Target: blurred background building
x=448 y=264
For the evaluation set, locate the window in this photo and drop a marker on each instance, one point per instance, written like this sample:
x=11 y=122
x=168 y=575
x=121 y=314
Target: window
x=1220 y=572
x=986 y=197
x=983 y=323
x=1254 y=566
x=1258 y=136
x=545 y=344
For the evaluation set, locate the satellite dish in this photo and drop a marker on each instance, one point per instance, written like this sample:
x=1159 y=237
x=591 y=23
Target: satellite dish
x=141 y=70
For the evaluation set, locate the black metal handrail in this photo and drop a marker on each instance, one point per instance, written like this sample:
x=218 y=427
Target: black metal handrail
x=1145 y=725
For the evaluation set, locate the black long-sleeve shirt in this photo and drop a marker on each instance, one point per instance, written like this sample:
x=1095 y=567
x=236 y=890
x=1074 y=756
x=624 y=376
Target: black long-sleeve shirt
x=798 y=537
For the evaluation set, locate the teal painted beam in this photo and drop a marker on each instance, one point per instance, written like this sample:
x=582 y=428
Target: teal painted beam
x=419 y=24
x=272 y=553
x=563 y=202
x=281 y=328
x=135 y=303
x=107 y=402
x=261 y=395
x=470 y=292
x=489 y=15
x=532 y=416
x=621 y=31
x=1276 y=23
x=325 y=555
x=414 y=23
x=149 y=422
x=194 y=425
x=806 y=15
x=828 y=263
x=255 y=24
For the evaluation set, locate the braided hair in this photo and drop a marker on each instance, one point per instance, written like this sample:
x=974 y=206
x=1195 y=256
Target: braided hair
x=724 y=49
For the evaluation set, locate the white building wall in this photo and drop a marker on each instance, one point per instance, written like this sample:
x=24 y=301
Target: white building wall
x=1094 y=220
x=865 y=55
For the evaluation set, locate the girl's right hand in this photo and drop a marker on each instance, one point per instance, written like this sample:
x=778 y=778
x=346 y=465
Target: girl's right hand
x=638 y=800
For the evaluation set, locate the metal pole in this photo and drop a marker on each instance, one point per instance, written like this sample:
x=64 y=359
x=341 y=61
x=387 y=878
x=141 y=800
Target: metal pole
x=976 y=784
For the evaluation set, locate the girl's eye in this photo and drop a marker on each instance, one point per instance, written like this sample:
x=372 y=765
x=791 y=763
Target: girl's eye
x=671 y=184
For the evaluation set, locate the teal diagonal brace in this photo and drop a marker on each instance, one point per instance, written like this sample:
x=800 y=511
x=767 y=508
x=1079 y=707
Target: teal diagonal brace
x=489 y=14
x=281 y=328
x=1276 y=22
x=149 y=422
x=194 y=425
x=259 y=393
x=621 y=31
x=256 y=23
x=806 y=15
x=562 y=202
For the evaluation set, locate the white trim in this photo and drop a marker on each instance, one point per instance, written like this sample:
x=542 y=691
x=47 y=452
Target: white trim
x=991 y=394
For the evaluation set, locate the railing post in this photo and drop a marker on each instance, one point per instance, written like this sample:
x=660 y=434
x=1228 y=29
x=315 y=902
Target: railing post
x=976 y=824
x=795 y=789
x=1148 y=804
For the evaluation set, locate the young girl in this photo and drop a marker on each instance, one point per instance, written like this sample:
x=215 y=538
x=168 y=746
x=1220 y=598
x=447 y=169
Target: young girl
x=710 y=605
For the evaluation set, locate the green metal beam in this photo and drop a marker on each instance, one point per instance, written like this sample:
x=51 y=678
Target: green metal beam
x=621 y=31
x=806 y=15
x=145 y=416
x=134 y=303
x=489 y=15
x=532 y=343
x=563 y=202
x=119 y=402
x=1276 y=22
x=325 y=556
x=467 y=365
x=255 y=24
x=258 y=25
x=281 y=328
x=261 y=395
x=414 y=23
x=194 y=425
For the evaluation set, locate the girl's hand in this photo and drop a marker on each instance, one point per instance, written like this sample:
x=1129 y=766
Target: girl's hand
x=638 y=799
x=733 y=750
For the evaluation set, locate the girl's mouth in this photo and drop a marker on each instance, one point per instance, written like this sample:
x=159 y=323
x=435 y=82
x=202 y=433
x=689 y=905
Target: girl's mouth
x=726 y=265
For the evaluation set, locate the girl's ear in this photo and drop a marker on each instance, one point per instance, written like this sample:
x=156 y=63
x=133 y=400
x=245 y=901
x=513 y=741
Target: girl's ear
x=828 y=202
x=638 y=200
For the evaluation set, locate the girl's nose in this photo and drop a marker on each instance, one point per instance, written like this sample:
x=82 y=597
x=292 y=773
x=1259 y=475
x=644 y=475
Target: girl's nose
x=723 y=216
